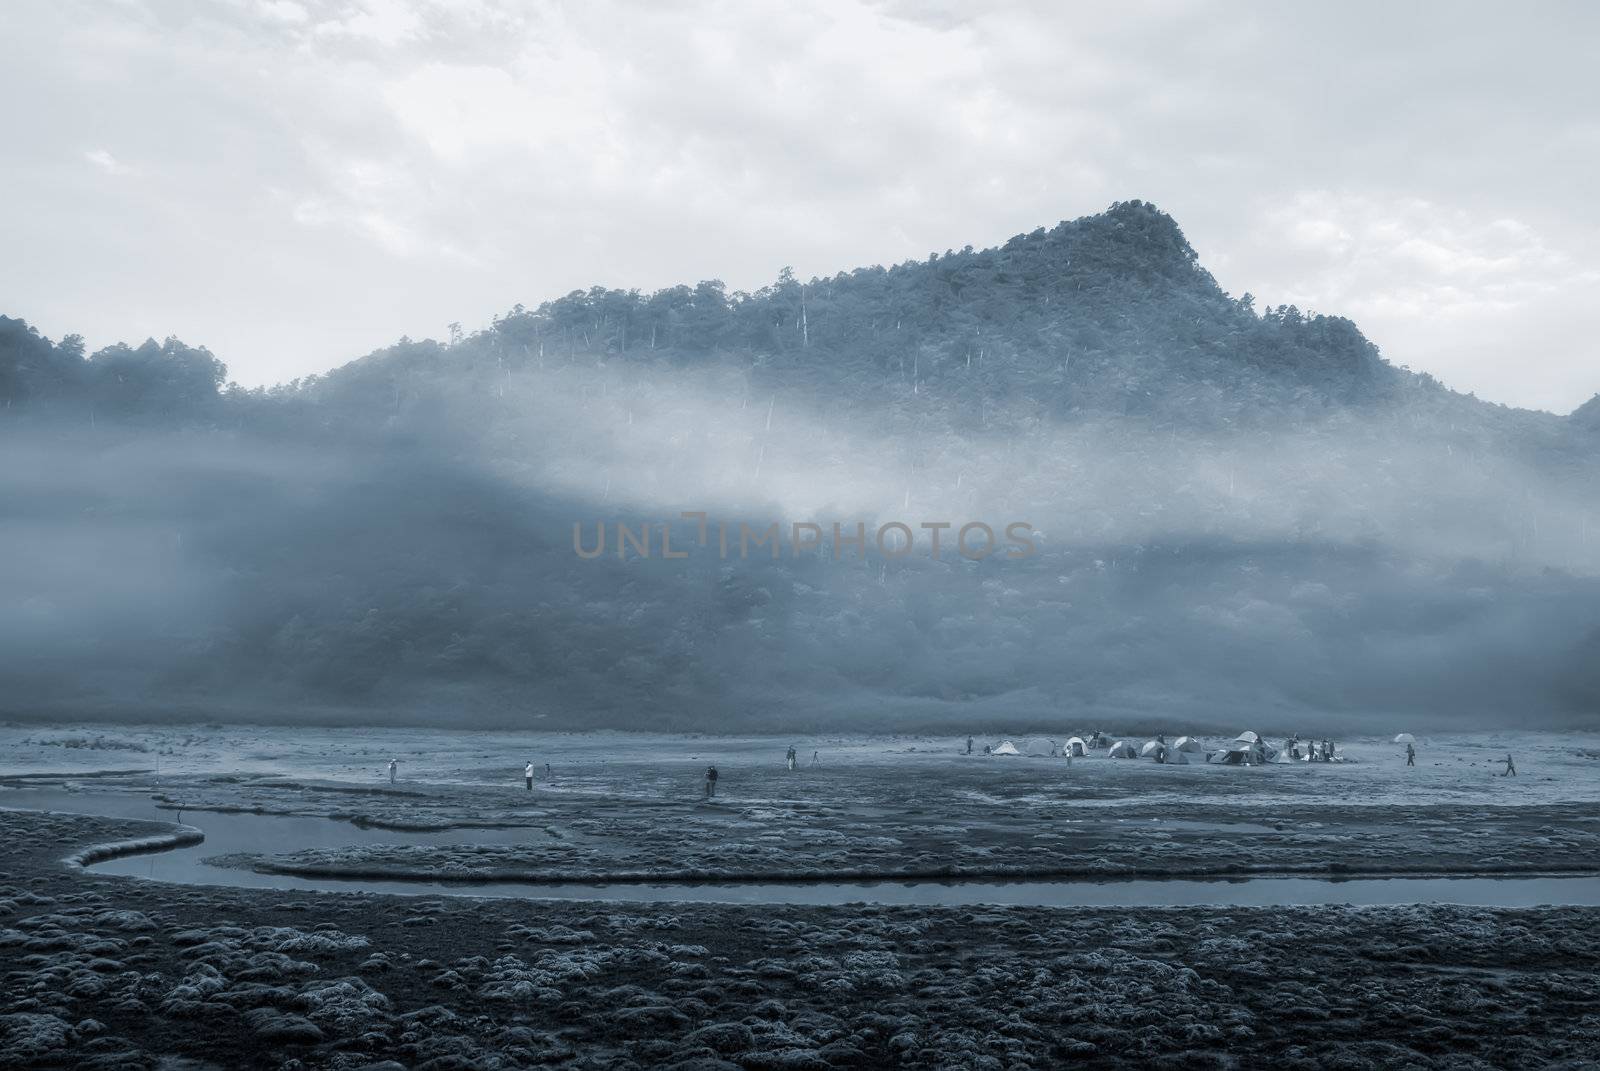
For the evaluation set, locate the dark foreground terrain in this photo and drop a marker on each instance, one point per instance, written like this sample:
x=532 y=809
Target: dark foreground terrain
x=112 y=972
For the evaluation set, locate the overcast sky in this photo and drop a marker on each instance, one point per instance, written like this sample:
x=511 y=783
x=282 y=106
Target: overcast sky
x=294 y=183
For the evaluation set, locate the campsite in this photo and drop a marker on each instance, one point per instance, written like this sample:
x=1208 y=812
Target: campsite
x=446 y=894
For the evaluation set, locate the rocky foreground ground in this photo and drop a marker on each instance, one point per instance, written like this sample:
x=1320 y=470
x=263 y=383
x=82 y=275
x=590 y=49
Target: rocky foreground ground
x=109 y=972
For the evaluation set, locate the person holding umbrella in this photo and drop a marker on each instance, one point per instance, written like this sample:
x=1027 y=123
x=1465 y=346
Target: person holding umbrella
x=1411 y=747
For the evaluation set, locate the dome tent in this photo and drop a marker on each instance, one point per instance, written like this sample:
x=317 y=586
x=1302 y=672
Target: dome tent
x=1075 y=747
x=1243 y=752
x=1260 y=750
x=1037 y=745
x=1123 y=750
x=1160 y=751
x=1005 y=747
x=1189 y=744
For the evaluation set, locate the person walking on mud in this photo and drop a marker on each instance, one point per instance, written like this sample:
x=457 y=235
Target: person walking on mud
x=527 y=775
x=711 y=782
x=1511 y=767
x=1411 y=755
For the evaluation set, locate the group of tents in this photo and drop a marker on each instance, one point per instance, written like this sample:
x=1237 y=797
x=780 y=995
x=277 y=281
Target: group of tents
x=1247 y=749
x=1077 y=747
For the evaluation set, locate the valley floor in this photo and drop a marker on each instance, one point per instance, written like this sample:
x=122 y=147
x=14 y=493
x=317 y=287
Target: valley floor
x=101 y=969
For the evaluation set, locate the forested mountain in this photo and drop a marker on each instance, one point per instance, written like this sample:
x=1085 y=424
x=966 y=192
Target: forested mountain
x=1240 y=513
x=1110 y=312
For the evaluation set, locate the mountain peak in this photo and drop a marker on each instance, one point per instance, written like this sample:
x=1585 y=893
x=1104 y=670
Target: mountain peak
x=1148 y=225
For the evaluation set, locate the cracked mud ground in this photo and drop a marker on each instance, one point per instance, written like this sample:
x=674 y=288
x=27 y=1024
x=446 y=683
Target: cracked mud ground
x=109 y=972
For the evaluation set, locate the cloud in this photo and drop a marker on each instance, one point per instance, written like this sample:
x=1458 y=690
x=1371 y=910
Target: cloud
x=382 y=22
x=1442 y=288
x=106 y=162
x=1367 y=253
x=286 y=11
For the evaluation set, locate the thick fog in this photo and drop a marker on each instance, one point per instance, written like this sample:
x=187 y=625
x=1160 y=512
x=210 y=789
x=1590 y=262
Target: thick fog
x=659 y=442
x=1347 y=572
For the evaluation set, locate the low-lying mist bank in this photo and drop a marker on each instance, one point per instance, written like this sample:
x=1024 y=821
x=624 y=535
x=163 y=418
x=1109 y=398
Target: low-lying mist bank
x=1354 y=569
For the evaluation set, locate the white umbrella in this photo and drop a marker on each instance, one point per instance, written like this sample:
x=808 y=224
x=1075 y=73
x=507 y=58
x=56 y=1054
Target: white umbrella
x=1405 y=738
x=1248 y=737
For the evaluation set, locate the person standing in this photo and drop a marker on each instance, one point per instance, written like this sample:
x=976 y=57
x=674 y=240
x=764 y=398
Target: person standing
x=789 y=758
x=1411 y=755
x=969 y=745
x=527 y=775
x=815 y=760
x=711 y=782
x=394 y=768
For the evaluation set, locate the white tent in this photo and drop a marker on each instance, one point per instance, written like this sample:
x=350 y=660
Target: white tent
x=1405 y=738
x=1006 y=747
x=1123 y=750
x=1038 y=745
x=1247 y=737
x=1166 y=752
x=1076 y=747
x=1189 y=744
x=1237 y=753
x=1244 y=753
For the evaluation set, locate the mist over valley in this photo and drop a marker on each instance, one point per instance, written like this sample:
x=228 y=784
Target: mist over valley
x=1242 y=516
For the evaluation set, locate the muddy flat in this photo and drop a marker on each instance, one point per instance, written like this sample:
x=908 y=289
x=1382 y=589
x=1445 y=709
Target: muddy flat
x=154 y=958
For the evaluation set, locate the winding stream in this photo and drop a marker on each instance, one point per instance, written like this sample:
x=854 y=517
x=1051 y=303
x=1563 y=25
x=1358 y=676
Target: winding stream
x=246 y=832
